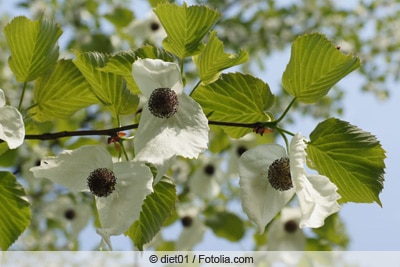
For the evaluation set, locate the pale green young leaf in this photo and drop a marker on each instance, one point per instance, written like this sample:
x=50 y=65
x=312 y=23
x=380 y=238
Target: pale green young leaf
x=111 y=89
x=213 y=59
x=226 y=225
x=315 y=66
x=33 y=46
x=121 y=63
x=156 y=209
x=235 y=97
x=15 y=214
x=60 y=93
x=185 y=27
x=351 y=158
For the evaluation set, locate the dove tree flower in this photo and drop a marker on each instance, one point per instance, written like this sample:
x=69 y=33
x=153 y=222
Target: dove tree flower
x=205 y=181
x=269 y=178
x=172 y=123
x=286 y=238
x=193 y=227
x=284 y=232
x=238 y=147
x=12 y=129
x=72 y=215
x=119 y=188
x=147 y=29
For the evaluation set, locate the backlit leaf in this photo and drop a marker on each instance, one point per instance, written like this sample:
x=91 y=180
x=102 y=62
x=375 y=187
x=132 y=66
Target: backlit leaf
x=15 y=214
x=156 y=209
x=111 y=89
x=185 y=27
x=121 y=63
x=235 y=97
x=213 y=59
x=351 y=158
x=33 y=46
x=315 y=66
x=60 y=93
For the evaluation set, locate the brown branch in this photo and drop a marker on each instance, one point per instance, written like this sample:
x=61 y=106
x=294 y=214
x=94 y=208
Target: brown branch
x=113 y=131
x=52 y=136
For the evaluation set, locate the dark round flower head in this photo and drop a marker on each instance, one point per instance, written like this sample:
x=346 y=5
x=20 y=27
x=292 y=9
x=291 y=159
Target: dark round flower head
x=163 y=103
x=279 y=174
x=154 y=26
x=291 y=226
x=187 y=221
x=70 y=214
x=209 y=169
x=240 y=150
x=101 y=182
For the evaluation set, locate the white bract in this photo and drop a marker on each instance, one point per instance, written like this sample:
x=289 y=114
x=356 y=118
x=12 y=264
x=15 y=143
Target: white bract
x=73 y=216
x=119 y=209
x=12 y=129
x=148 y=29
x=191 y=235
x=185 y=133
x=284 y=233
x=285 y=237
x=316 y=194
x=205 y=181
x=238 y=147
x=193 y=227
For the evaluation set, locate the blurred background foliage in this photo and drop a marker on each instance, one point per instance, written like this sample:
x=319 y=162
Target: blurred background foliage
x=368 y=28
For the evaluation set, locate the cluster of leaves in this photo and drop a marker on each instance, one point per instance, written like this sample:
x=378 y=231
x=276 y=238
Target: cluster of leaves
x=100 y=83
x=256 y=24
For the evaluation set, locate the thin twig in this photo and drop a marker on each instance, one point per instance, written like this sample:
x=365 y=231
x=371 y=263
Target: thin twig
x=113 y=131
x=51 y=136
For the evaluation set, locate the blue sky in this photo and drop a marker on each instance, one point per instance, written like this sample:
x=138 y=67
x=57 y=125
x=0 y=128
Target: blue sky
x=370 y=226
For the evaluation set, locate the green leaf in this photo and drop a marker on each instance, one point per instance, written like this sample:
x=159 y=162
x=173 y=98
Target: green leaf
x=156 y=209
x=33 y=46
x=9 y=157
x=212 y=59
x=120 y=16
x=219 y=141
x=15 y=214
x=259 y=240
x=154 y=3
x=315 y=66
x=333 y=232
x=121 y=63
x=235 y=97
x=3 y=149
x=227 y=225
x=99 y=42
x=60 y=93
x=185 y=27
x=111 y=89
x=351 y=158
